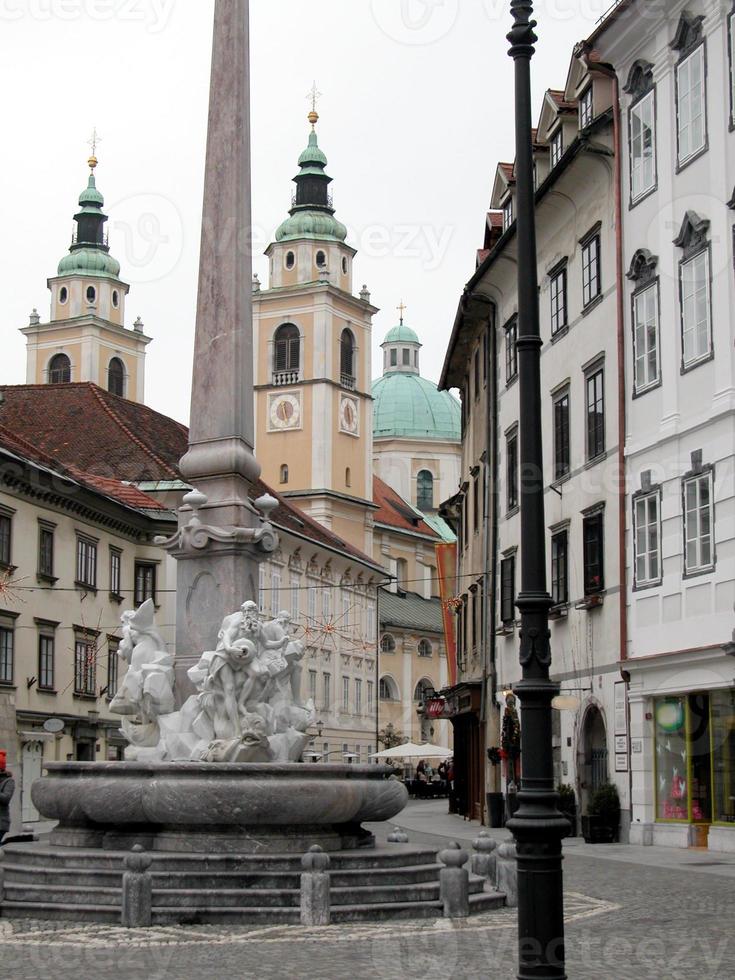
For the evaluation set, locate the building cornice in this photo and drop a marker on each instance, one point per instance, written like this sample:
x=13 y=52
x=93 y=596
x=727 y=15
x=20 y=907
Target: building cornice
x=77 y=322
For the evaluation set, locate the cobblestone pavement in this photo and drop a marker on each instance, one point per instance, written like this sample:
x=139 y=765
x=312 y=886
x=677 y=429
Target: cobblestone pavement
x=625 y=921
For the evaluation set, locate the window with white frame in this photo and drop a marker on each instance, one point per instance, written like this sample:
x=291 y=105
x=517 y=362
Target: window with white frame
x=647 y=537
x=7 y=654
x=327 y=604
x=586 y=108
x=345 y=694
x=557 y=148
x=312 y=685
x=643 y=146
x=699 y=524
x=327 y=692
x=311 y=603
x=370 y=621
x=696 y=334
x=358 y=696
x=646 y=338
x=295 y=598
x=591 y=281
x=691 y=108
x=275 y=603
x=370 y=696
x=558 y=292
x=508 y=216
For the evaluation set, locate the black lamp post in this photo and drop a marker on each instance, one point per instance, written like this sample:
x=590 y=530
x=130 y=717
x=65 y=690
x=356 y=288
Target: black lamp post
x=538 y=825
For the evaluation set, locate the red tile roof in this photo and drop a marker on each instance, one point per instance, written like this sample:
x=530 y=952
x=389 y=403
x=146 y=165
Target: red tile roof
x=395 y=512
x=509 y=171
x=558 y=96
x=108 y=443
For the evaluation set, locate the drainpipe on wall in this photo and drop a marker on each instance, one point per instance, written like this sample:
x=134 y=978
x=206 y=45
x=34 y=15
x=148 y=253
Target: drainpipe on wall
x=621 y=374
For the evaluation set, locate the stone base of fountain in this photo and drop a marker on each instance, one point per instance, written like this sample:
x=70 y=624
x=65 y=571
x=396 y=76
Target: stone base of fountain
x=211 y=808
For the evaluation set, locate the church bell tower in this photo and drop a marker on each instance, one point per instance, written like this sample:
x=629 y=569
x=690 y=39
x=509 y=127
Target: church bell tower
x=313 y=362
x=85 y=338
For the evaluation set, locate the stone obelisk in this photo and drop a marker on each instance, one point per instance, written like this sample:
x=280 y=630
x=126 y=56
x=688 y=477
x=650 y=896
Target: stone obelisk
x=221 y=535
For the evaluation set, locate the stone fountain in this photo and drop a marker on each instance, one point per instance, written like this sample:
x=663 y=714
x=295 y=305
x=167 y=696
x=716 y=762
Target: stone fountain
x=213 y=787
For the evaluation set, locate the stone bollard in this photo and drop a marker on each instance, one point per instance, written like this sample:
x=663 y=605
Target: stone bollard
x=507 y=873
x=484 y=860
x=137 y=890
x=398 y=836
x=315 y=904
x=454 y=882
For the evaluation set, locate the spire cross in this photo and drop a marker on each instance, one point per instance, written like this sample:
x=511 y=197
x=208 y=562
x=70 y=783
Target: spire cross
x=402 y=309
x=314 y=96
x=94 y=142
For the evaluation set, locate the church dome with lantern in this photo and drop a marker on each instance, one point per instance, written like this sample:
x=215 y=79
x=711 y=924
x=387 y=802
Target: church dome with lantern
x=407 y=406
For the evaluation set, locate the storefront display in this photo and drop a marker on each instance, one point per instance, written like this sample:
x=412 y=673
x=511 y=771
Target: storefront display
x=695 y=757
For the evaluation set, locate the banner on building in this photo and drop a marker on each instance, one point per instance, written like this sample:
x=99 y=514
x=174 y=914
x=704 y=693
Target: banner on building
x=446 y=561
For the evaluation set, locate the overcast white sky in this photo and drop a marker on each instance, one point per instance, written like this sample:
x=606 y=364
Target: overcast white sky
x=416 y=111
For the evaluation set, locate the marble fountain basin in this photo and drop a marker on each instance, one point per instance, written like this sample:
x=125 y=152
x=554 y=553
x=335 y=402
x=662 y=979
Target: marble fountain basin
x=216 y=807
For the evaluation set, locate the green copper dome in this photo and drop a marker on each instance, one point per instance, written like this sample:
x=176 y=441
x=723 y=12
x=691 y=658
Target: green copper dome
x=89 y=262
x=89 y=254
x=313 y=225
x=402 y=334
x=312 y=214
x=408 y=406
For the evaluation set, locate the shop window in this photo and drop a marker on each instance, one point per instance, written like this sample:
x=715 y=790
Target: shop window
x=723 y=755
x=685 y=759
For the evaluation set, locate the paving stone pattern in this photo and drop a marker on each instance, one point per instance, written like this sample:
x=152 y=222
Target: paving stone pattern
x=625 y=922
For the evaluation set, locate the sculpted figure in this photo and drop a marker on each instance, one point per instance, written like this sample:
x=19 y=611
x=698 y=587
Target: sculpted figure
x=146 y=691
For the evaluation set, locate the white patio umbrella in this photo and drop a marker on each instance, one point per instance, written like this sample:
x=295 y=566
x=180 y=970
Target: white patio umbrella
x=412 y=751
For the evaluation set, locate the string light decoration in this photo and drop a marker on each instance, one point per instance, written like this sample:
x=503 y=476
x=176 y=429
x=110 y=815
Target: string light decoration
x=11 y=588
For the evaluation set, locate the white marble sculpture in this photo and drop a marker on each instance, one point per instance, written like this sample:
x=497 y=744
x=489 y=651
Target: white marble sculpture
x=147 y=689
x=248 y=707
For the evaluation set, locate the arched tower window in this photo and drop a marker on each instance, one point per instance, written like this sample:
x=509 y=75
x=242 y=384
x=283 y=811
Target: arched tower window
x=388 y=689
x=59 y=370
x=425 y=490
x=424 y=688
x=116 y=377
x=287 y=350
x=347 y=358
x=387 y=643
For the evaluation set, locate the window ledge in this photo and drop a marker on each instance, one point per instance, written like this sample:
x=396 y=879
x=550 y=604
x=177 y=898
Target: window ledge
x=560 y=333
x=593 y=304
x=48 y=579
x=683 y=164
x=85 y=697
x=84 y=587
x=596 y=460
x=115 y=597
x=7 y=686
x=591 y=602
x=507 y=629
x=10 y=569
x=559 y=612
x=510 y=382
x=513 y=512
x=47 y=690
x=693 y=365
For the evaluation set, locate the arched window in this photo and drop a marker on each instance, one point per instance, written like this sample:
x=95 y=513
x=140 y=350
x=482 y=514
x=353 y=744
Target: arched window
x=59 y=370
x=425 y=649
x=91 y=294
x=287 y=349
x=290 y=260
x=116 y=377
x=388 y=643
x=388 y=689
x=347 y=357
x=284 y=474
x=424 y=690
x=321 y=260
x=425 y=491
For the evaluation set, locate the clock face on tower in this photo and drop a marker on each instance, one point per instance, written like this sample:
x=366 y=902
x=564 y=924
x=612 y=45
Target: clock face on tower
x=285 y=412
x=349 y=418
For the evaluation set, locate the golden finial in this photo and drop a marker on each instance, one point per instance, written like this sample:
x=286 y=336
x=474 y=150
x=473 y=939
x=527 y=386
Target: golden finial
x=314 y=97
x=402 y=309
x=96 y=139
